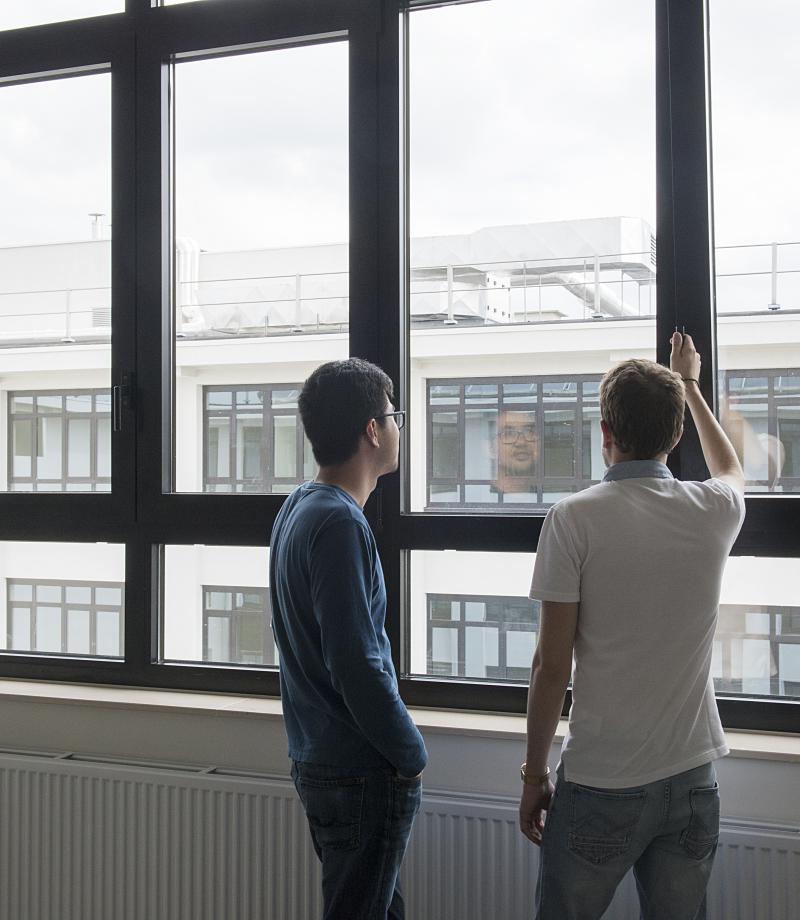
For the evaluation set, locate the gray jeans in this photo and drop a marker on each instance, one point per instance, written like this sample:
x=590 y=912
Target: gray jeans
x=665 y=831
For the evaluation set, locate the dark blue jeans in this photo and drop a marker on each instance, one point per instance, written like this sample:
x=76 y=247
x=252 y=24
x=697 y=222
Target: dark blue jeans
x=665 y=831
x=360 y=822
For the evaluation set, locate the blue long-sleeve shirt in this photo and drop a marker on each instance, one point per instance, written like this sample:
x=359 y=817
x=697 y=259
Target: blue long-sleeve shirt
x=338 y=685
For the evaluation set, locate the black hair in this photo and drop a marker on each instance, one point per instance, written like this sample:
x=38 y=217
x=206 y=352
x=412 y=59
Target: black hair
x=336 y=403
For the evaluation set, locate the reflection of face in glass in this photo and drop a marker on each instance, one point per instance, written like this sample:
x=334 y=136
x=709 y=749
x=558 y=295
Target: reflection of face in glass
x=517 y=450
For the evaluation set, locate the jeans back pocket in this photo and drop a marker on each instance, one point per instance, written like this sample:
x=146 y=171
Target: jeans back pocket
x=334 y=810
x=602 y=823
x=700 y=838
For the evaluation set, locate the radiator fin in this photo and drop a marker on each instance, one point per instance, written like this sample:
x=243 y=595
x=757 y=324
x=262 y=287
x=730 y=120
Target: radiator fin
x=82 y=841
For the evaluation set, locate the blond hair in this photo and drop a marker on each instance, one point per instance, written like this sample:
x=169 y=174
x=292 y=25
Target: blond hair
x=643 y=405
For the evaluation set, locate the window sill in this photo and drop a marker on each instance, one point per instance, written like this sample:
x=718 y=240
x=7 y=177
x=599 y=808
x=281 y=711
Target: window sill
x=751 y=745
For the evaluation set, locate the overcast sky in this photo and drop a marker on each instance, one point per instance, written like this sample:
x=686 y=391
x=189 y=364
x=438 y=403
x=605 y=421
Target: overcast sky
x=520 y=113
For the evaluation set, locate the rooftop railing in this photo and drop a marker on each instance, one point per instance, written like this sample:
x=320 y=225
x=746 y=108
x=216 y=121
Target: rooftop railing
x=762 y=277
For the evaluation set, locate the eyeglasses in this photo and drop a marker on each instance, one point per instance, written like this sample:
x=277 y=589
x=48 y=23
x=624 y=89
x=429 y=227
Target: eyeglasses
x=512 y=435
x=399 y=415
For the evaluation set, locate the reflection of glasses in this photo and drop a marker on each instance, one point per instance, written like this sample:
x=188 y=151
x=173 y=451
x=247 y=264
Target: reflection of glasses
x=512 y=435
x=399 y=415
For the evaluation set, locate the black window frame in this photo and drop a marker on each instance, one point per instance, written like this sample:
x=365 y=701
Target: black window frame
x=139 y=47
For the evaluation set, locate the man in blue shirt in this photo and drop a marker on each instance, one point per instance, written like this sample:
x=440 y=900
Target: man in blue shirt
x=357 y=755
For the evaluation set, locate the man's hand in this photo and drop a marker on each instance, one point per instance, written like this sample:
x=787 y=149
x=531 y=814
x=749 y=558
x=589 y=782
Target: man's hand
x=684 y=359
x=718 y=451
x=535 y=802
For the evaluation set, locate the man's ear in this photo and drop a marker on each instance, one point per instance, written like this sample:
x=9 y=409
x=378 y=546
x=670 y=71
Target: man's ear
x=608 y=434
x=371 y=433
x=677 y=440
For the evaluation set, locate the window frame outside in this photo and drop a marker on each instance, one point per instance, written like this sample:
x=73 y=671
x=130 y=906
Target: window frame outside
x=93 y=607
x=267 y=481
x=93 y=416
x=234 y=615
x=537 y=405
x=460 y=626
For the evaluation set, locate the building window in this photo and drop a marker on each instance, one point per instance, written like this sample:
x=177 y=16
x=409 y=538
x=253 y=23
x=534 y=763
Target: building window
x=253 y=439
x=762 y=416
x=492 y=638
x=65 y=618
x=60 y=441
x=518 y=441
x=236 y=626
x=757 y=650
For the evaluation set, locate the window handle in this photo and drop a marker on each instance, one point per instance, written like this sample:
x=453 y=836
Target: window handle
x=121 y=398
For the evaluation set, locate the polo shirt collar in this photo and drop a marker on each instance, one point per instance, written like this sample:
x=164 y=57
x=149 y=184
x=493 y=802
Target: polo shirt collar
x=637 y=469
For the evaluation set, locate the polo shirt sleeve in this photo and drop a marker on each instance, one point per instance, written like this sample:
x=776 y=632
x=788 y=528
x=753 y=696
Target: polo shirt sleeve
x=557 y=570
x=727 y=502
x=341 y=587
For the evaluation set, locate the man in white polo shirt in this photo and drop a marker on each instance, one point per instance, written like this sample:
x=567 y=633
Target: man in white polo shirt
x=629 y=574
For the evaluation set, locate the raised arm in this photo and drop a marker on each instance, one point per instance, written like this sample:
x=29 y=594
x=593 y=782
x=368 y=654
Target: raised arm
x=718 y=451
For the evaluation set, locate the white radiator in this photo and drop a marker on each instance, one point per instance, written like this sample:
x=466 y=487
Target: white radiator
x=84 y=840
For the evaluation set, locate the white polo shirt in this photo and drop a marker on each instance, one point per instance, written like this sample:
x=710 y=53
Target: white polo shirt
x=643 y=553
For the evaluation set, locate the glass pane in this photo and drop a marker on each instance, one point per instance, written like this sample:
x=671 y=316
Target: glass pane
x=103 y=447
x=61 y=610
x=518 y=452
x=491 y=589
x=261 y=249
x=519 y=649
x=216 y=604
x=788 y=448
x=445 y=445
x=55 y=265
x=754 y=69
x=80 y=402
x=49 y=593
x=559 y=443
x=20 y=592
x=47 y=632
x=480 y=439
x=522 y=281
x=758 y=634
x=108 y=596
x=443 y=660
x=78 y=594
x=250 y=636
x=49 y=448
x=20 y=629
x=219 y=447
x=78 y=632
x=481 y=652
x=108 y=630
x=219 y=639
x=23 y=448
x=285 y=446
x=79 y=456
x=16 y=15
x=248 y=449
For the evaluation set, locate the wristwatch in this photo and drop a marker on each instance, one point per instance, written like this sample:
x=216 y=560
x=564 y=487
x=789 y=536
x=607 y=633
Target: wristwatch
x=532 y=780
